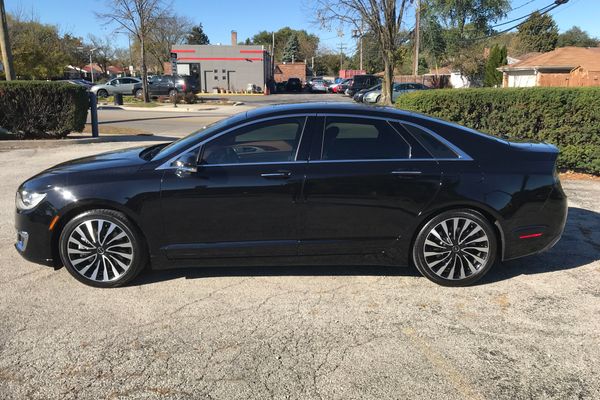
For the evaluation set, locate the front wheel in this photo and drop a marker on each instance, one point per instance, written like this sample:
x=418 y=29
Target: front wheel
x=139 y=93
x=172 y=92
x=102 y=248
x=455 y=248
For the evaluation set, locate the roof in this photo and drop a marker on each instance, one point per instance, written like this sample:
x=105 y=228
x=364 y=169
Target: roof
x=563 y=58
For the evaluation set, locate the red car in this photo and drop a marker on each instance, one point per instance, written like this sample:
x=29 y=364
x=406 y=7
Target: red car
x=342 y=86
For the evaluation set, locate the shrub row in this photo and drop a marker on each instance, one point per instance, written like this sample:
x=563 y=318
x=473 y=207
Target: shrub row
x=37 y=109
x=566 y=117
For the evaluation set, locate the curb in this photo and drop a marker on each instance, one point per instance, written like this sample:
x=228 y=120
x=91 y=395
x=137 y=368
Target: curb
x=6 y=145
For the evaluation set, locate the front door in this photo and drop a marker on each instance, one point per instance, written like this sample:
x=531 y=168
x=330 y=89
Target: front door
x=242 y=201
x=366 y=184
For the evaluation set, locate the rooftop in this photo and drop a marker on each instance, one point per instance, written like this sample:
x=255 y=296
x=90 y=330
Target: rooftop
x=566 y=58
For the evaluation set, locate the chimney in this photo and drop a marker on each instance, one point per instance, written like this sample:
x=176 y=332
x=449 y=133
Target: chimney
x=233 y=38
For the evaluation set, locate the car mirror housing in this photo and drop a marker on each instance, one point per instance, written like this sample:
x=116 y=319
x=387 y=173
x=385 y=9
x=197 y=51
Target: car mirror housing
x=187 y=164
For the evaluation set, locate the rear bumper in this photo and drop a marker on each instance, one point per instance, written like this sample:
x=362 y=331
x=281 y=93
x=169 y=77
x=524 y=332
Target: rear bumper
x=541 y=231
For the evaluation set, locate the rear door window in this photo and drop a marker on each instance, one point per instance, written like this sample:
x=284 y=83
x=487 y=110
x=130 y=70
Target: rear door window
x=346 y=138
x=432 y=144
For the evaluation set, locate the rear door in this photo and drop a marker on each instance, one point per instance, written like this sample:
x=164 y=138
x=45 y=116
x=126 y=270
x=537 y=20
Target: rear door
x=366 y=184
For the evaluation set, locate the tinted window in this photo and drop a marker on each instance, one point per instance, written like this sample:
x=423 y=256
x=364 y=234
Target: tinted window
x=435 y=147
x=362 y=139
x=271 y=141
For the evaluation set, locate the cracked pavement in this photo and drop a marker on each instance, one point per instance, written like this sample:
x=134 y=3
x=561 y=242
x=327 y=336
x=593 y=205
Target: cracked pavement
x=531 y=329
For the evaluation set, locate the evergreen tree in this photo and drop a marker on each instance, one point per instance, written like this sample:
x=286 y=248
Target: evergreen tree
x=538 y=33
x=292 y=49
x=497 y=58
x=197 y=36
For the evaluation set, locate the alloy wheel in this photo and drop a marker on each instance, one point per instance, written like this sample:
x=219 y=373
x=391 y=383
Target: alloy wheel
x=100 y=250
x=456 y=248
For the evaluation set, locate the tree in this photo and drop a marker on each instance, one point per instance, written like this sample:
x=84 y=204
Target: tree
x=538 y=33
x=168 y=31
x=292 y=48
x=139 y=17
x=453 y=28
x=576 y=37
x=497 y=58
x=104 y=53
x=382 y=17
x=38 y=51
x=308 y=42
x=197 y=36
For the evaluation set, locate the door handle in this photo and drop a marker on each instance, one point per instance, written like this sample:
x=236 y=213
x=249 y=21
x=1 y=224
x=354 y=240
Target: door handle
x=408 y=172
x=276 y=175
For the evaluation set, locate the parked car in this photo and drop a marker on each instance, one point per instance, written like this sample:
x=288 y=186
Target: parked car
x=360 y=82
x=398 y=89
x=358 y=96
x=293 y=85
x=335 y=183
x=118 y=85
x=168 y=85
x=79 y=82
x=341 y=86
x=318 y=86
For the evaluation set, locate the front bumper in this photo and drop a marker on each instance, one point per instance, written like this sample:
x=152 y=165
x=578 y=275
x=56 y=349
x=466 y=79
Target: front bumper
x=34 y=239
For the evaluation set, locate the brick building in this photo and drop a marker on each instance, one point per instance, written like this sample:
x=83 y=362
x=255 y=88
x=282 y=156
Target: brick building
x=285 y=71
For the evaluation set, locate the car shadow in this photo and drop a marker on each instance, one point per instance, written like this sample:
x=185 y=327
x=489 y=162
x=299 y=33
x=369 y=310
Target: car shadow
x=579 y=246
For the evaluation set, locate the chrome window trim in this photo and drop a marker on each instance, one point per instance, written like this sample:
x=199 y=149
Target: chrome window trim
x=382 y=160
x=167 y=164
x=254 y=163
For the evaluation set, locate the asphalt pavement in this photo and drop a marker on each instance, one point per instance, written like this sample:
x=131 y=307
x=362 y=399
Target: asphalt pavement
x=531 y=329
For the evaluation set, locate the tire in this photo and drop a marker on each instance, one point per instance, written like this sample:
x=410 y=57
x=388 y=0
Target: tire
x=173 y=92
x=84 y=252
x=102 y=93
x=139 y=93
x=455 y=248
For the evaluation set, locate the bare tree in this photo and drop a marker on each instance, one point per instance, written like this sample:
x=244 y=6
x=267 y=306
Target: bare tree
x=104 y=51
x=170 y=30
x=382 y=17
x=139 y=17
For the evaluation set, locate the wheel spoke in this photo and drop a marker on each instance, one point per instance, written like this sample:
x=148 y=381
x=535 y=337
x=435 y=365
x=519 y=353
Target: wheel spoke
x=456 y=248
x=101 y=249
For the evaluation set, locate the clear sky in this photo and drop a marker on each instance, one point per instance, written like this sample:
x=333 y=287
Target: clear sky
x=248 y=17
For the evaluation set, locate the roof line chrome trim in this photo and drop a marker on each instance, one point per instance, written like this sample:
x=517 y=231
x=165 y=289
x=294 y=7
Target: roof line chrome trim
x=167 y=164
x=253 y=163
x=382 y=160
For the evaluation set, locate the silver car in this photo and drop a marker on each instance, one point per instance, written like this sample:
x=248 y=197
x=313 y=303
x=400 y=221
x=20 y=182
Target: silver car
x=118 y=85
x=399 y=89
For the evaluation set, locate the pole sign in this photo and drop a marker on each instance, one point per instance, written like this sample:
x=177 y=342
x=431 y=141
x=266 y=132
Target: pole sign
x=173 y=63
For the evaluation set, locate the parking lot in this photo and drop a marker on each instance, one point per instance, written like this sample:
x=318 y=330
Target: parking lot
x=531 y=329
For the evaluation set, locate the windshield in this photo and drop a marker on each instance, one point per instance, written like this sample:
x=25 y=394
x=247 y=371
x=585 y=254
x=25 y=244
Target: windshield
x=193 y=138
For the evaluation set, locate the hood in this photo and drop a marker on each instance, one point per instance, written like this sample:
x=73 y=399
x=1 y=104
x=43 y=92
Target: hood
x=114 y=159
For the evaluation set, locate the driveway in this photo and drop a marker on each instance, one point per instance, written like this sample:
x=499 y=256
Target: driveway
x=531 y=329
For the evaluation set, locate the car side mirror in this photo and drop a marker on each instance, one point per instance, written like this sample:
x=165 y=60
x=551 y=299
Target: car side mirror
x=187 y=164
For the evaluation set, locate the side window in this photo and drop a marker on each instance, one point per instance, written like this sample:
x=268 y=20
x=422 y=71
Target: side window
x=435 y=147
x=270 y=141
x=362 y=139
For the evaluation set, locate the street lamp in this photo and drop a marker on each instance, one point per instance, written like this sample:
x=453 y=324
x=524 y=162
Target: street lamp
x=91 y=65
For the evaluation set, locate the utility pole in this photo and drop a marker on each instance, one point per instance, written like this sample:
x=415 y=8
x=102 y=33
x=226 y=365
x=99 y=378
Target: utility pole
x=358 y=34
x=92 y=65
x=7 y=59
x=417 y=38
x=341 y=56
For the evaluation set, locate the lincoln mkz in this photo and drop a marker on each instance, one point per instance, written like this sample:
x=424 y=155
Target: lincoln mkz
x=302 y=184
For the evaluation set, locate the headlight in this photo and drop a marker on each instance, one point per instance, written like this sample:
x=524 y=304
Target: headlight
x=27 y=200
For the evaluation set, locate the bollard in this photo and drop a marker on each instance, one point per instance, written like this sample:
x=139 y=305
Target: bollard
x=94 y=113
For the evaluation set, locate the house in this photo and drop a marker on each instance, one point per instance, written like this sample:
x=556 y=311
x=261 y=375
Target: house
x=562 y=67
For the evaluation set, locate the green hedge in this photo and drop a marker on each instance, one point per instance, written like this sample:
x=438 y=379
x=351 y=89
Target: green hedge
x=37 y=109
x=566 y=117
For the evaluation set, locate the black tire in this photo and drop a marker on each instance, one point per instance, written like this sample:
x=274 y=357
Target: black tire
x=450 y=250
x=86 y=251
x=102 y=93
x=139 y=93
x=173 y=92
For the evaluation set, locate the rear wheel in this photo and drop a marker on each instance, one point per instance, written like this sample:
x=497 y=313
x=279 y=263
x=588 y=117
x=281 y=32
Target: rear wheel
x=102 y=93
x=172 y=92
x=455 y=248
x=102 y=248
x=139 y=93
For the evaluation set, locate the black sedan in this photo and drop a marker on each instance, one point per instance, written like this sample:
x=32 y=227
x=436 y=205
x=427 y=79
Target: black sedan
x=301 y=184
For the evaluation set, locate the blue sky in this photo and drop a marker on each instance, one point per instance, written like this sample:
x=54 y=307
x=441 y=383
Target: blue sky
x=249 y=17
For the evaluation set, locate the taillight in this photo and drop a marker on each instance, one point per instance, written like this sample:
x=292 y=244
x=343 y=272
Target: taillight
x=183 y=86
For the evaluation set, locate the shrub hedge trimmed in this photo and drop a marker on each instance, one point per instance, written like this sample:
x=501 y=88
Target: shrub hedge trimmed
x=38 y=109
x=566 y=117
